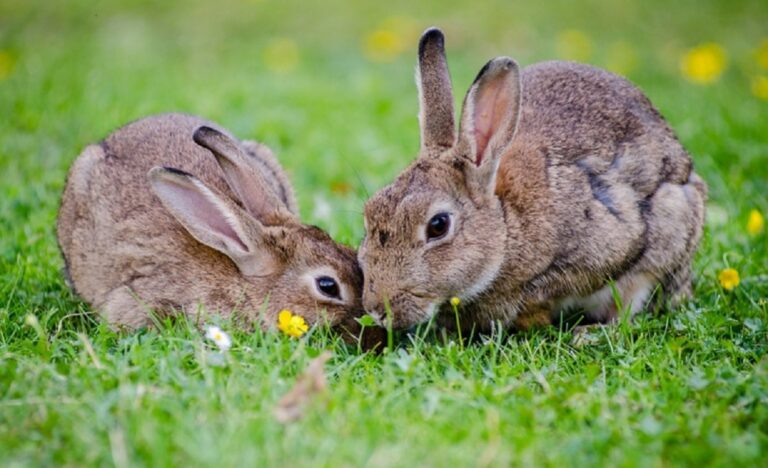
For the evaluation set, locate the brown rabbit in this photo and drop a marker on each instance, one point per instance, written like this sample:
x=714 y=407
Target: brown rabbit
x=139 y=237
x=562 y=180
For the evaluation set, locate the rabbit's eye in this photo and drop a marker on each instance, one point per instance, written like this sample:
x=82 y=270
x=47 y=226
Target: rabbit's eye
x=328 y=286
x=438 y=226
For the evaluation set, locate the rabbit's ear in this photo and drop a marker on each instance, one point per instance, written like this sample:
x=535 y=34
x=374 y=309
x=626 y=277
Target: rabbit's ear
x=213 y=220
x=490 y=115
x=435 y=95
x=244 y=179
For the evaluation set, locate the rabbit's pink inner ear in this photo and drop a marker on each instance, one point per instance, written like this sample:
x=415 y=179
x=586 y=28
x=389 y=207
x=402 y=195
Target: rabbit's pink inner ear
x=198 y=213
x=491 y=108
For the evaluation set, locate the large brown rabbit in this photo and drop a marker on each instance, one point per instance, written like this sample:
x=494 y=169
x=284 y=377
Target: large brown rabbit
x=562 y=180
x=140 y=233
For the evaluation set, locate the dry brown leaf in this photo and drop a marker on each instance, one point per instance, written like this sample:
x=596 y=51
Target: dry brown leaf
x=312 y=382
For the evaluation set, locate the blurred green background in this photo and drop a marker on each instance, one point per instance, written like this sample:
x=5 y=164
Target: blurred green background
x=329 y=86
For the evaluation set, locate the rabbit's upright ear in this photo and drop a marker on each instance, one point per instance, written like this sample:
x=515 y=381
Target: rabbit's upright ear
x=214 y=220
x=435 y=95
x=489 y=118
x=244 y=179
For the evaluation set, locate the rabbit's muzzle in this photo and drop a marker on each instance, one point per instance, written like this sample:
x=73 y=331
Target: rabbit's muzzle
x=401 y=309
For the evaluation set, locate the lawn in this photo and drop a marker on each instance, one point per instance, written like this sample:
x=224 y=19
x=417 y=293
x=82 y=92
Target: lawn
x=329 y=86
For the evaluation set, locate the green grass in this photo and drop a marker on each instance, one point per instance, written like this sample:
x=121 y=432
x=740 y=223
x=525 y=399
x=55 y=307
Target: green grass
x=686 y=388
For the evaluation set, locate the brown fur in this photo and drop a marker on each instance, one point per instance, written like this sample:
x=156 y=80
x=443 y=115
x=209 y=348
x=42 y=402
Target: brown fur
x=436 y=116
x=563 y=178
x=128 y=255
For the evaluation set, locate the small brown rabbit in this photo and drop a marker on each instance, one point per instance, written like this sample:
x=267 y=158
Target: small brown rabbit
x=140 y=233
x=562 y=180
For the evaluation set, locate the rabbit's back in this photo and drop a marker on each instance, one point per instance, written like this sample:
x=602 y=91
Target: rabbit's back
x=166 y=140
x=596 y=165
x=591 y=118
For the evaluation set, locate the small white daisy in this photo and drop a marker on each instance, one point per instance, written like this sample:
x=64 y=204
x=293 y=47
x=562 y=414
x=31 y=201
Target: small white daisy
x=218 y=336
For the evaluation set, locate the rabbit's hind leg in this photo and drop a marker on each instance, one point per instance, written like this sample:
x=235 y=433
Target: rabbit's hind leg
x=674 y=217
x=603 y=306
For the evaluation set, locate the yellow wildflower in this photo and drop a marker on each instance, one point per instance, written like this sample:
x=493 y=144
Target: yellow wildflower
x=729 y=278
x=704 y=64
x=762 y=54
x=573 y=44
x=755 y=223
x=760 y=87
x=455 y=301
x=621 y=58
x=6 y=64
x=281 y=55
x=391 y=38
x=290 y=324
x=382 y=45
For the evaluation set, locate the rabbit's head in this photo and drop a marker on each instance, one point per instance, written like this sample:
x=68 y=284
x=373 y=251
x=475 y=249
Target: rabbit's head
x=300 y=266
x=439 y=230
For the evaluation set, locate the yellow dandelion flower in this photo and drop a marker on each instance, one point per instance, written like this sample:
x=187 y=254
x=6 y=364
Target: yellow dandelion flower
x=391 y=38
x=290 y=324
x=755 y=223
x=281 y=55
x=761 y=54
x=455 y=301
x=573 y=44
x=7 y=63
x=729 y=278
x=759 y=87
x=382 y=45
x=704 y=64
x=622 y=58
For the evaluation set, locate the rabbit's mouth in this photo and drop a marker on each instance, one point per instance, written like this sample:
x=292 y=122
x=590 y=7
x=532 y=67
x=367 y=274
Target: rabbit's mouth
x=406 y=310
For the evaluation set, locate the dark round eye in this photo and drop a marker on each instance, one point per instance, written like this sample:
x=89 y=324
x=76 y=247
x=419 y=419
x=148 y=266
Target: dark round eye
x=328 y=286
x=438 y=226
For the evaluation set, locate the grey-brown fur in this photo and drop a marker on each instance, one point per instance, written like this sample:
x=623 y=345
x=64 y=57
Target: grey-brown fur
x=586 y=183
x=127 y=254
x=436 y=116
